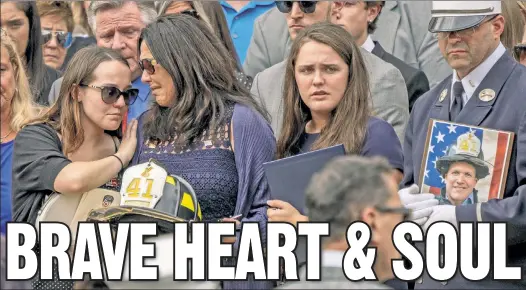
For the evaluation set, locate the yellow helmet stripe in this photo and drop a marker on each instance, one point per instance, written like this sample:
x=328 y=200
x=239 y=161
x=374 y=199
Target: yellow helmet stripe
x=170 y=180
x=188 y=202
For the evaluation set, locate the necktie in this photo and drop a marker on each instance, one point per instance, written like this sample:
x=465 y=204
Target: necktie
x=458 y=89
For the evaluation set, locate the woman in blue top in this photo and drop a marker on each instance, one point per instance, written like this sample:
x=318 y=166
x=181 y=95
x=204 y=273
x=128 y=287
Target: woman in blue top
x=203 y=124
x=326 y=103
x=17 y=108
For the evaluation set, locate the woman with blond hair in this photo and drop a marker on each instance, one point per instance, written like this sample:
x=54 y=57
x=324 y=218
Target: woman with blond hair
x=17 y=108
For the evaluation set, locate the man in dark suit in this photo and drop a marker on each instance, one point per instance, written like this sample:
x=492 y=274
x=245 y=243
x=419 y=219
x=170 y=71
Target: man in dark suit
x=359 y=18
x=487 y=89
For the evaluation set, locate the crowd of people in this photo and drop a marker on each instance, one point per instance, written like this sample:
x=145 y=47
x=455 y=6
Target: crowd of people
x=215 y=89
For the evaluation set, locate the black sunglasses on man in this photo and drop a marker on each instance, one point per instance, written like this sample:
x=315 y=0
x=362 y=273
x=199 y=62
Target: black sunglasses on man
x=305 y=6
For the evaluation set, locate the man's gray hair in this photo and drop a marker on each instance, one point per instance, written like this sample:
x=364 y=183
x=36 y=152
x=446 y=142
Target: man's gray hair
x=147 y=9
x=346 y=186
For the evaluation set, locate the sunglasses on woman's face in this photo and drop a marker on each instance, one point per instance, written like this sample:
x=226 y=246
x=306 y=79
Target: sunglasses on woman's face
x=147 y=64
x=305 y=6
x=110 y=94
x=64 y=39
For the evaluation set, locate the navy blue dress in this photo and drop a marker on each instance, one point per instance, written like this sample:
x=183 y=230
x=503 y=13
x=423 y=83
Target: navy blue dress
x=380 y=140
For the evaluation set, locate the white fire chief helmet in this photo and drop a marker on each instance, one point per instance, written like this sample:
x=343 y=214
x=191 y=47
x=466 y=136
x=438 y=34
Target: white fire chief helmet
x=447 y=16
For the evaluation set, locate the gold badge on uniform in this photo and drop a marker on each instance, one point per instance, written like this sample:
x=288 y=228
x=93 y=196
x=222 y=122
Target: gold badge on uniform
x=443 y=95
x=487 y=95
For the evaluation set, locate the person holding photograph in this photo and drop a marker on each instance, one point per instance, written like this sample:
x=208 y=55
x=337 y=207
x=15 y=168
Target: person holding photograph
x=486 y=89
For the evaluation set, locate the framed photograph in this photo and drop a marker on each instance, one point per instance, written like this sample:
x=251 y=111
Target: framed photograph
x=465 y=164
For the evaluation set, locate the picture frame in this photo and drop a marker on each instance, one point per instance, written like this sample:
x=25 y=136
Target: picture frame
x=465 y=164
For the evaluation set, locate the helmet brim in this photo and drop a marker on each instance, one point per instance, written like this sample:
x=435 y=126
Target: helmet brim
x=454 y=23
x=482 y=167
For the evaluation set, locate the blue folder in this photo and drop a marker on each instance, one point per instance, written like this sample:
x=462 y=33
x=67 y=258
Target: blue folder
x=289 y=177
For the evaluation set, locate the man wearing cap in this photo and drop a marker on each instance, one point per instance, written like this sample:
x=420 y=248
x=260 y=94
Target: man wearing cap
x=487 y=88
x=461 y=168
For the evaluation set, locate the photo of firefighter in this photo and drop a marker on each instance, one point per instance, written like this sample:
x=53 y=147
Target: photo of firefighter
x=461 y=168
x=465 y=164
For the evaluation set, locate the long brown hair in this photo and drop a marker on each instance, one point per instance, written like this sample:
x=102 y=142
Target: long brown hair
x=64 y=116
x=348 y=122
x=203 y=76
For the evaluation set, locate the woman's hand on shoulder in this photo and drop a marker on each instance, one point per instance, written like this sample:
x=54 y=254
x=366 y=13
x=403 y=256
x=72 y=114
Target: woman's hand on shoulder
x=128 y=143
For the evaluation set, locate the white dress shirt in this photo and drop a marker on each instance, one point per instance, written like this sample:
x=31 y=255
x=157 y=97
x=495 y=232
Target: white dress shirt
x=476 y=76
x=368 y=44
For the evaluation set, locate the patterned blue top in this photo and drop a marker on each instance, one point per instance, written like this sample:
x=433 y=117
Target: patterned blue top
x=208 y=164
x=221 y=177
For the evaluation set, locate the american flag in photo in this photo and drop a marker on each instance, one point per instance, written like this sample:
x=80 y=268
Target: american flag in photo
x=444 y=135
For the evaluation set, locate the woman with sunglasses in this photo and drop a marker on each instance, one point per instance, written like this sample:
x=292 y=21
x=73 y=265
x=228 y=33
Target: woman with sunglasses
x=56 y=19
x=204 y=125
x=326 y=103
x=21 y=21
x=75 y=146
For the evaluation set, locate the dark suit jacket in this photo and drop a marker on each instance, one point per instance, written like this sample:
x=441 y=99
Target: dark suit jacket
x=415 y=80
x=507 y=111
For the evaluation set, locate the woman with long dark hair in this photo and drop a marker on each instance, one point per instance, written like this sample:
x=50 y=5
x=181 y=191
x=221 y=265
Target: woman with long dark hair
x=327 y=102
x=204 y=126
x=22 y=23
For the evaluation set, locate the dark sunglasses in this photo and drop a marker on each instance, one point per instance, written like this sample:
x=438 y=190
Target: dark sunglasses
x=519 y=50
x=147 y=64
x=110 y=95
x=305 y=6
x=64 y=39
x=405 y=212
